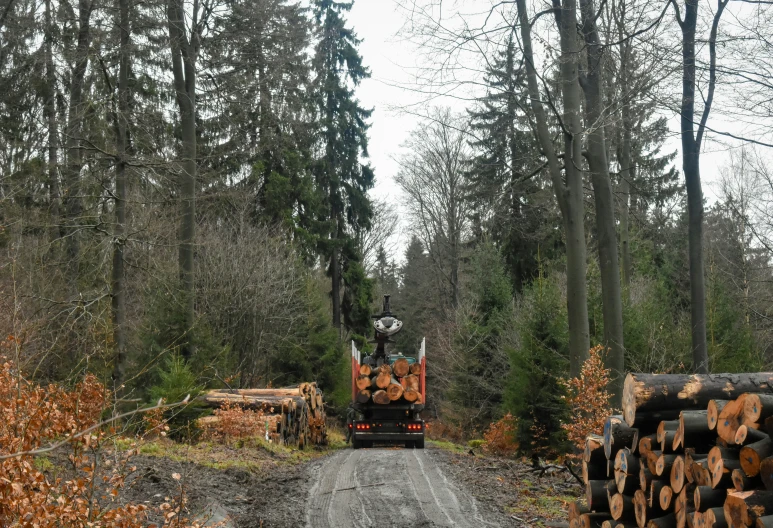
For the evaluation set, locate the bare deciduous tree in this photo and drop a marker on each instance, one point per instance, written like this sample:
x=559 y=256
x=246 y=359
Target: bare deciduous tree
x=432 y=175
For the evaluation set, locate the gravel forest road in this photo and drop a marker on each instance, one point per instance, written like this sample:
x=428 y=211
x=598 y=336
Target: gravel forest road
x=389 y=487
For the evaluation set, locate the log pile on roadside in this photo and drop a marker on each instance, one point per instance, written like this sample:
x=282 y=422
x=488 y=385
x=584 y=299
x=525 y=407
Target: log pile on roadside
x=389 y=383
x=688 y=451
x=294 y=415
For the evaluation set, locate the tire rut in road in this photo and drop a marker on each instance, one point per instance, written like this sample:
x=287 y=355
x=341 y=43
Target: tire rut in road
x=390 y=488
x=321 y=494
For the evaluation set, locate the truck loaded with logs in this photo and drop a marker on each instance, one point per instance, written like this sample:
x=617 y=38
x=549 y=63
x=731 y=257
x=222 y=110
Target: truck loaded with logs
x=388 y=390
x=688 y=450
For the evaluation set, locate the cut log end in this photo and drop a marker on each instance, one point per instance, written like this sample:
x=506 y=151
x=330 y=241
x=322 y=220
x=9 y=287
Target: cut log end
x=401 y=367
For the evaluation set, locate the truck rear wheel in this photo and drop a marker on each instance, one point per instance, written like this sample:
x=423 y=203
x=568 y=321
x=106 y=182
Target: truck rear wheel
x=356 y=444
x=419 y=444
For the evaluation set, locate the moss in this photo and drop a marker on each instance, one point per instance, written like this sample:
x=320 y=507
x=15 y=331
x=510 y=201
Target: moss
x=44 y=464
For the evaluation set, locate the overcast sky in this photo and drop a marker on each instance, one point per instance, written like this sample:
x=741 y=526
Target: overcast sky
x=391 y=60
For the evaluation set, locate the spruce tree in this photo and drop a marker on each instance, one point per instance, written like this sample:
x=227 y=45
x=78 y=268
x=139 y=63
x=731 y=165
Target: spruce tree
x=341 y=178
x=512 y=205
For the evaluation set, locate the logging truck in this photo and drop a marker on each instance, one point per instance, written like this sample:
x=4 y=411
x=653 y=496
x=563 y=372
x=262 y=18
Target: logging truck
x=388 y=390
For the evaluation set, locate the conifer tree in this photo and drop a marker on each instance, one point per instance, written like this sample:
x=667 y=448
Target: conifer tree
x=341 y=178
x=511 y=201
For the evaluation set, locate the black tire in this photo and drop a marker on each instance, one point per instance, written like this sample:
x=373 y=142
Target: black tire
x=419 y=444
x=356 y=444
x=367 y=443
x=409 y=444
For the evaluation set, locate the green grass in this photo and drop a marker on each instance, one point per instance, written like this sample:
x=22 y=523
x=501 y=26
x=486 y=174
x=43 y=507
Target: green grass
x=448 y=446
x=252 y=454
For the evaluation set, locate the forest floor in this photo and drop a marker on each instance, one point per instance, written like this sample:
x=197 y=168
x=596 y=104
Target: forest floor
x=258 y=485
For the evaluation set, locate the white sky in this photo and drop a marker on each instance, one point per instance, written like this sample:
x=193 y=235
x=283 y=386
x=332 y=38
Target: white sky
x=390 y=60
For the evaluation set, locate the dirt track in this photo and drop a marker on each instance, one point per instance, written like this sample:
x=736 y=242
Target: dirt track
x=389 y=487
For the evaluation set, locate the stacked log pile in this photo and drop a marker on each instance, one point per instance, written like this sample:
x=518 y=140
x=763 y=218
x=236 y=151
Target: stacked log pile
x=688 y=450
x=386 y=384
x=295 y=415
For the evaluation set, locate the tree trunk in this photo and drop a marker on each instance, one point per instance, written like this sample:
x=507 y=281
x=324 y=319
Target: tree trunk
x=119 y=236
x=606 y=228
x=569 y=195
x=625 y=157
x=336 y=290
x=184 y=55
x=74 y=155
x=53 y=130
x=691 y=146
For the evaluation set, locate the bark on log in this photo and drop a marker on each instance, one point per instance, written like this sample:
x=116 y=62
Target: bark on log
x=363 y=396
x=718 y=454
x=747 y=434
x=596 y=496
x=663 y=467
x=594 y=450
x=712 y=412
x=722 y=474
x=271 y=403
x=689 y=459
x=765 y=522
x=401 y=367
x=593 y=472
x=693 y=430
x=766 y=473
x=666 y=521
x=646 y=477
x=751 y=456
x=714 y=517
x=643 y=510
x=742 y=508
x=656 y=392
x=664 y=427
x=381 y=397
x=593 y=520
x=655 y=489
x=652 y=461
x=758 y=407
x=706 y=497
x=743 y=483
x=576 y=509
x=626 y=472
x=618 y=435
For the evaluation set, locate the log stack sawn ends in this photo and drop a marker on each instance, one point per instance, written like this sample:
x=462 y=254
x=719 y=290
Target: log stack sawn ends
x=689 y=450
x=295 y=415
